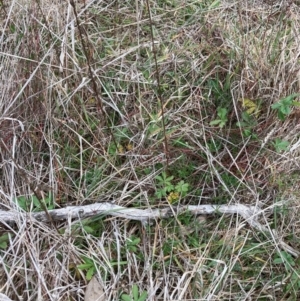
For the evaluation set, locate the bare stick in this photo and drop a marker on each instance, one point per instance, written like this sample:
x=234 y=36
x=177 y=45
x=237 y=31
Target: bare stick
x=249 y=213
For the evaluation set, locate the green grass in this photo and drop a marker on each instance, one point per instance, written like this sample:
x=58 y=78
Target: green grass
x=194 y=103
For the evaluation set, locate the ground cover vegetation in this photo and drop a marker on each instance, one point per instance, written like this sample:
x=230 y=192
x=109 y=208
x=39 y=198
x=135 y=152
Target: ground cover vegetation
x=150 y=104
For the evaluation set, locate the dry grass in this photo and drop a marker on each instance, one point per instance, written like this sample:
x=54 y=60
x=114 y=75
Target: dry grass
x=94 y=109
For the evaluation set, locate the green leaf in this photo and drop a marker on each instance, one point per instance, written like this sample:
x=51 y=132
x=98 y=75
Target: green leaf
x=117 y=263
x=169 y=188
x=143 y=296
x=4 y=240
x=135 y=292
x=163 y=179
x=22 y=202
x=133 y=241
x=87 y=260
x=126 y=297
x=286 y=110
x=132 y=248
x=84 y=266
x=222 y=124
x=90 y=273
x=278 y=260
x=276 y=105
x=164 y=175
x=159 y=178
x=169 y=179
x=281 y=115
x=88 y=229
x=136 y=241
x=36 y=201
x=283 y=106
x=4 y=237
x=296 y=103
x=222 y=113
x=215 y=122
x=214 y=5
x=280 y=145
x=182 y=187
x=3 y=245
x=284 y=257
x=247 y=133
x=161 y=193
x=49 y=201
x=291 y=97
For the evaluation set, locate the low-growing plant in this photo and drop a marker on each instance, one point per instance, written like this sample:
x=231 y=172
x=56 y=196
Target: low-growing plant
x=32 y=203
x=135 y=295
x=284 y=258
x=247 y=122
x=167 y=189
x=280 y=145
x=222 y=119
x=89 y=266
x=284 y=106
x=164 y=185
x=4 y=239
x=292 y=285
x=132 y=243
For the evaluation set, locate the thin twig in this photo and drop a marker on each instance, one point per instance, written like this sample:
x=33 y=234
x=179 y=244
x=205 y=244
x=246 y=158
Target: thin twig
x=249 y=213
x=159 y=91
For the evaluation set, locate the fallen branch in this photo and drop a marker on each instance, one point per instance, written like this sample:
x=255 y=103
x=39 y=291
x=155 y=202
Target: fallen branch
x=249 y=213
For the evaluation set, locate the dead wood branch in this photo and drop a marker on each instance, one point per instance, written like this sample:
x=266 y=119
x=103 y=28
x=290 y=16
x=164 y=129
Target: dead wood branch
x=249 y=213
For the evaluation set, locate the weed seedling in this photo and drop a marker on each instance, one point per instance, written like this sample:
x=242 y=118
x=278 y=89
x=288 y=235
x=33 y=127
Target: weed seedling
x=132 y=243
x=280 y=145
x=182 y=188
x=222 y=120
x=4 y=239
x=284 y=106
x=34 y=204
x=89 y=266
x=135 y=295
x=246 y=123
x=167 y=189
x=293 y=284
x=164 y=185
